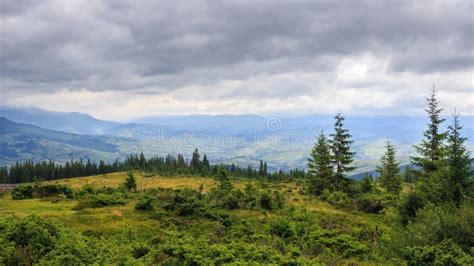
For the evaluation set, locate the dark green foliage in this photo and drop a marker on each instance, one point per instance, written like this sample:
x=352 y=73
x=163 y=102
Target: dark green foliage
x=320 y=166
x=433 y=224
x=389 y=172
x=145 y=203
x=444 y=253
x=458 y=162
x=41 y=191
x=410 y=204
x=371 y=203
x=130 y=183
x=341 y=152
x=22 y=192
x=169 y=165
x=35 y=240
x=33 y=234
x=185 y=202
x=367 y=184
x=430 y=150
x=282 y=228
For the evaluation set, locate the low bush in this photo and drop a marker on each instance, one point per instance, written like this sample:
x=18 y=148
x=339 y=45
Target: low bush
x=337 y=198
x=22 y=192
x=184 y=202
x=145 y=203
x=41 y=191
x=444 y=253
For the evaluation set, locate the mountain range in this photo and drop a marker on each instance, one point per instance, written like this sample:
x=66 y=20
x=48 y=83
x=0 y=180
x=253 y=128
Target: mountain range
x=284 y=142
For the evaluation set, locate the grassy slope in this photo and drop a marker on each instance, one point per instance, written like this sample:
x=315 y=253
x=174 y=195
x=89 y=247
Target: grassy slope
x=62 y=210
x=114 y=218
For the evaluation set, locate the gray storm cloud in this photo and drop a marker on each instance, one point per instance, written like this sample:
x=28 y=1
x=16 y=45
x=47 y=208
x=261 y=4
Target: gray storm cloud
x=158 y=47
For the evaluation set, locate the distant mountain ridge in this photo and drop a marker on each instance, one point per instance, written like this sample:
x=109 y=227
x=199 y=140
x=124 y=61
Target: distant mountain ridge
x=283 y=142
x=74 y=122
x=20 y=142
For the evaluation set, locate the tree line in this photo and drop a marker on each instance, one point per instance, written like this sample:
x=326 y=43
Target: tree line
x=30 y=171
x=442 y=164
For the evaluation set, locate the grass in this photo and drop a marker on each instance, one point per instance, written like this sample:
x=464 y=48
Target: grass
x=117 y=217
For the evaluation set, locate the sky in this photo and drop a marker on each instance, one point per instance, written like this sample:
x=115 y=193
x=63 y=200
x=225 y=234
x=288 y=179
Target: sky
x=119 y=59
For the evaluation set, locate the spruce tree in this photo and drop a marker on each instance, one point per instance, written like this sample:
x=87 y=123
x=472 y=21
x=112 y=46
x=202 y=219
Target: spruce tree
x=430 y=150
x=130 y=183
x=205 y=163
x=320 y=166
x=389 y=171
x=260 y=169
x=195 y=161
x=458 y=161
x=342 y=156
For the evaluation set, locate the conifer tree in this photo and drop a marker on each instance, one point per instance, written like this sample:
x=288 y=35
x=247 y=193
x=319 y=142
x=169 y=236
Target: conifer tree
x=195 y=160
x=342 y=156
x=458 y=161
x=430 y=150
x=130 y=183
x=389 y=171
x=366 y=184
x=205 y=163
x=320 y=166
x=260 y=169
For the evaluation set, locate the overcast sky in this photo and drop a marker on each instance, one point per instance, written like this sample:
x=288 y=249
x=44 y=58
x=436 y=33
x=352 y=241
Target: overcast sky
x=122 y=59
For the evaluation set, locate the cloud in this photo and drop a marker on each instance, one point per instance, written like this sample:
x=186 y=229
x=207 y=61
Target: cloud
x=202 y=53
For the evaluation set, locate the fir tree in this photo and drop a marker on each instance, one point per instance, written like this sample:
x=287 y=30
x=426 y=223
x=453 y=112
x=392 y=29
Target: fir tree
x=458 y=161
x=342 y=156
x=195 y=161
x=205 y=163
x=319 y=165
x=389 y=171
x=260 y=169
x=366 y=184
x=130 y=183
x=430 y=150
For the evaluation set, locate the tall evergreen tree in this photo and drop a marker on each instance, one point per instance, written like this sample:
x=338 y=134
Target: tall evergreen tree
x=430 y=150
x=260 y=169
x=320 y=166
x=205 y=163
x=389 y=171
x=458 y=161
x=195 y=160
x=342 y=156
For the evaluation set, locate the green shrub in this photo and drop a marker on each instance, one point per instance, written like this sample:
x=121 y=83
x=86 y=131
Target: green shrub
x=410 y=205
x=54 y=190
x=336 y=198
x=22 y=192
x=265 y=201
x=434 y=224
x=145 y=204
x=184 y=202
x=282 y=228
x=33 y=233
x=444 y=253
x=41 y=191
